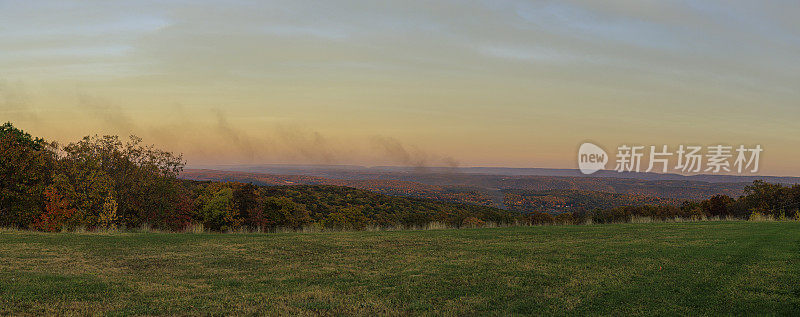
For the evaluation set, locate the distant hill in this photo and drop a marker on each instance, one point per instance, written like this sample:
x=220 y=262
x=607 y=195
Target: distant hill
x=554 y=201
x=457 y=194
x=355 y=171
x=384 y=210
x=524 y=193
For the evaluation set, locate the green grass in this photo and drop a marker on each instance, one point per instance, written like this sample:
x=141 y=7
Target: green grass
x=708 y=268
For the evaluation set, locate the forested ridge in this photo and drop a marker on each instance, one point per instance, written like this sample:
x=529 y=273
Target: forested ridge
x=524 y=193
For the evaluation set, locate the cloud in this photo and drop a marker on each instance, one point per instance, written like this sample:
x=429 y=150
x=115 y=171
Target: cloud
x=469 y=74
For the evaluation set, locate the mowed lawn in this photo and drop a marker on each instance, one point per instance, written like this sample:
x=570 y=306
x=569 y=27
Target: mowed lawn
x=627 y=269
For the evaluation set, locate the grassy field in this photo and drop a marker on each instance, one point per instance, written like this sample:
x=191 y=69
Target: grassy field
x=642 y=269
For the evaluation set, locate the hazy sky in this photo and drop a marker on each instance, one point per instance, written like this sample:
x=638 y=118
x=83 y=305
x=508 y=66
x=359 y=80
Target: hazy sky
x=475 y=83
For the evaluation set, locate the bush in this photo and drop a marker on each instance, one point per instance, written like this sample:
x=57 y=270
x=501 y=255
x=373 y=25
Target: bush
x=472 y=222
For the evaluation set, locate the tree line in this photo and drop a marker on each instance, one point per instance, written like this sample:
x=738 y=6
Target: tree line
x=760 y=199
x=104 y=182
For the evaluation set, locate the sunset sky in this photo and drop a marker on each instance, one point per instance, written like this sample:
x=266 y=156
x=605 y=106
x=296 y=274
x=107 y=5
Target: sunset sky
x=468 y=83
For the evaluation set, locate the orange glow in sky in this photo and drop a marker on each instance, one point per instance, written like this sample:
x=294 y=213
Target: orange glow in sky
x=469 y=83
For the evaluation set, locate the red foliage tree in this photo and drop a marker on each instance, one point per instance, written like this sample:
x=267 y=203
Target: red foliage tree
x=58 y=212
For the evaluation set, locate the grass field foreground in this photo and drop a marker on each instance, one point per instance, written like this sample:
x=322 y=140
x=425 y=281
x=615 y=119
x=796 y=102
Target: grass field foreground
x=630 y=269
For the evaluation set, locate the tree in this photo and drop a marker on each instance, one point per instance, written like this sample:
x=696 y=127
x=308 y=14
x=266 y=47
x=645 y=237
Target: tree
x=84 y=186
x=59 y=213
x=564 y=218
x=540 y=218
x=717 y=206
x=141 y=179
x=763 y=197
x=217 y=210
x=26 y=165
x=244 y=197
x=279 y=212
x=108 y=216
x=183 y=212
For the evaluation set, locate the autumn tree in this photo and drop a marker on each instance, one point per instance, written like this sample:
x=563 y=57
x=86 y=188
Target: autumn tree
x=59 y=213
x=280 y=212
x=766 y=198
x=718 y=206
x=245 y=198
x=540 y=218
x=141 y=180
x=216 y=208
x=25 y=171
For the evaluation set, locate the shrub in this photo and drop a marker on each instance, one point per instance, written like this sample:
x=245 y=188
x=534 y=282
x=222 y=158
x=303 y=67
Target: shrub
x=760 y=216
x=472 y=222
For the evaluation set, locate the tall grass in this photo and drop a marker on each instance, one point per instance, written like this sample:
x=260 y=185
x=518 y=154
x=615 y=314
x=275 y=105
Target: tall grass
x=198 y=228
x=195 y=228
x=760 y=217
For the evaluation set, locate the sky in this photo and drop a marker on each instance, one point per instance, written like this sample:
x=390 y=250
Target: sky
x=431 y=83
